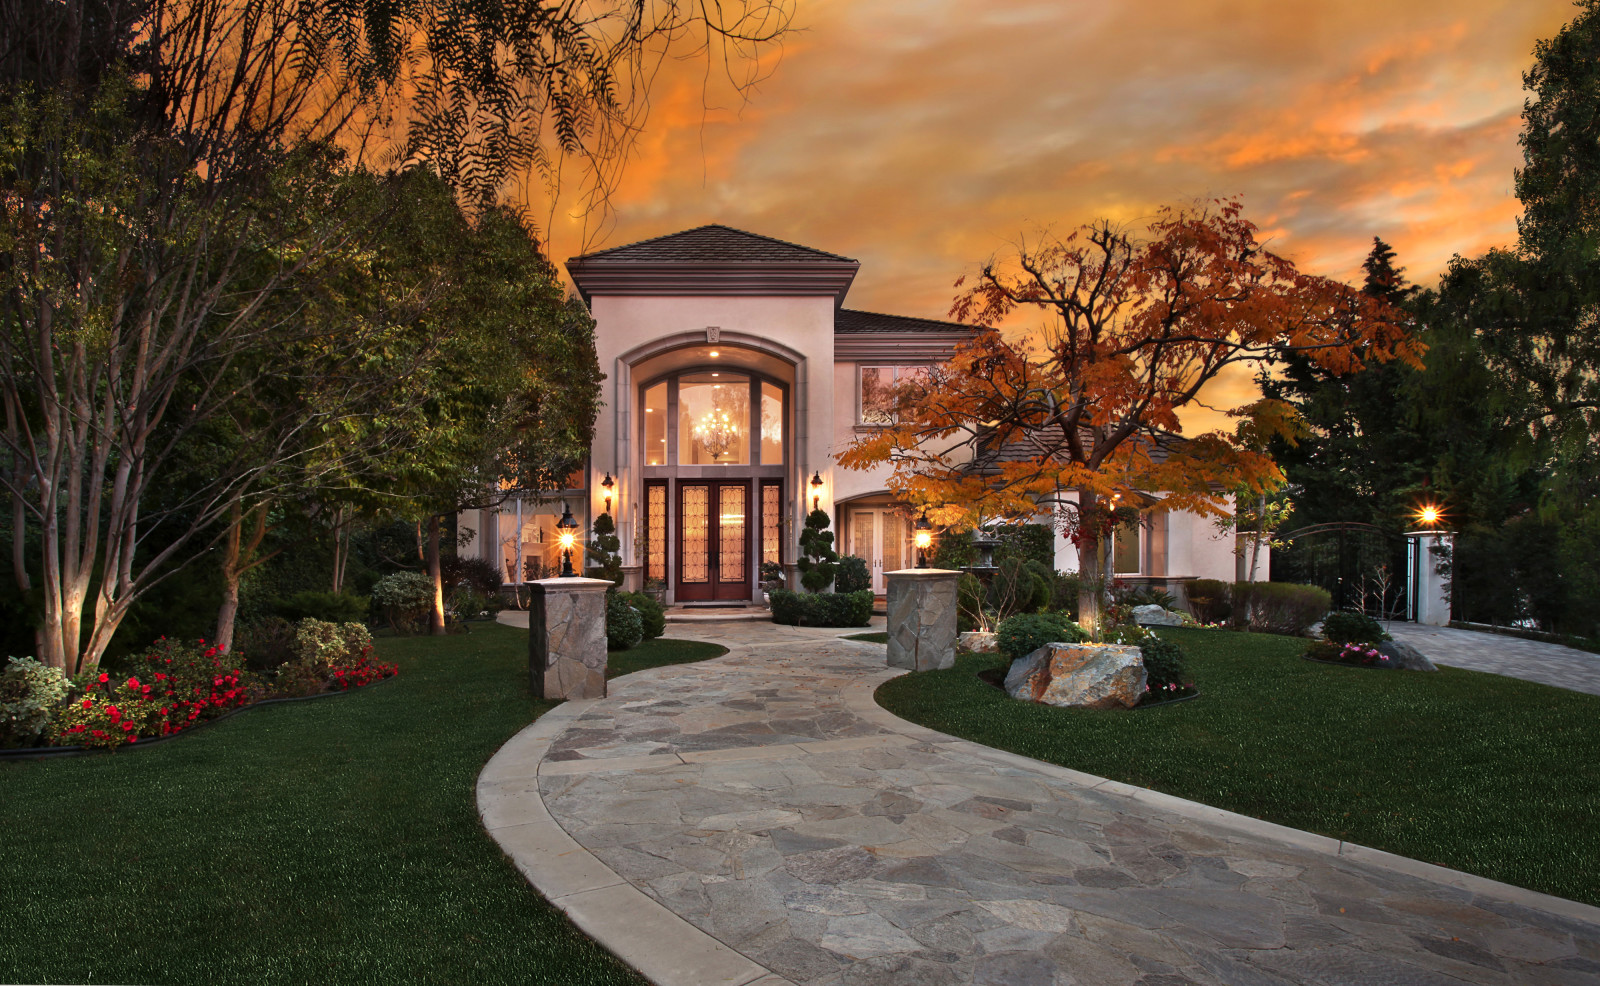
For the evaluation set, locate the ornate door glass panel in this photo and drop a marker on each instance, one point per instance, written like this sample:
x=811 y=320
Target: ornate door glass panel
x=771 y=523
x=731 y=528
x=656 y=531
x=696 y=548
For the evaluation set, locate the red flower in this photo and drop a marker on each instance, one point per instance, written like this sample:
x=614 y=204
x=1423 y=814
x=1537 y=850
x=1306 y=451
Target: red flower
x=88 y=702
x=104 y=677
x=132 y=682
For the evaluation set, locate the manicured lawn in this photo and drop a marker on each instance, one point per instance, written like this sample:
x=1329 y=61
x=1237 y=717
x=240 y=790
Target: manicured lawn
x=659 y=652
x=1478 y=772
x=333 y=841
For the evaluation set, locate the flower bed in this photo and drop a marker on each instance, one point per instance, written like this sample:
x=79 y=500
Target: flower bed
x=176 y=686
x=1357 y=655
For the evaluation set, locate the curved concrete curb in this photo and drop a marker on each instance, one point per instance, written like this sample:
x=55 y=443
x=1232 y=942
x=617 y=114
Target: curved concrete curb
x=669 y=951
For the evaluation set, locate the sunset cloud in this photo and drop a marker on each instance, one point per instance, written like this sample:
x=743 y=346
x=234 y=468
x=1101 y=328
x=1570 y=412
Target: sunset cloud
x=922 y=138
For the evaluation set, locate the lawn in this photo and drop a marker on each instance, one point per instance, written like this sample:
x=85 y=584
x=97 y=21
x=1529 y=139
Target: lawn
x=330 y=841
x=1478 y=772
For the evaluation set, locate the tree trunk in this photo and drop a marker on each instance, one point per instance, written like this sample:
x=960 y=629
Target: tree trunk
x=239 y=555
x=1090 y=568
x=436 y=616
x=341 y=548
x=1260 y=534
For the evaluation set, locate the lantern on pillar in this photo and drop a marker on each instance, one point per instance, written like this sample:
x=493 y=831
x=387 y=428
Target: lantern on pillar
x=567 y=532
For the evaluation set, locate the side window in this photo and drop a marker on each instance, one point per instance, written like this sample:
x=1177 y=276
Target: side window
x=877 y=391
x=1125 y=556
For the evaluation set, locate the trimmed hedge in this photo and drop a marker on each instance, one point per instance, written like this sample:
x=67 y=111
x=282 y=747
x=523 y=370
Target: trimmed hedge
x=1351 y=627
x=825 y=609
x=1280 y=607
x=624 y=626
x=1021 y=635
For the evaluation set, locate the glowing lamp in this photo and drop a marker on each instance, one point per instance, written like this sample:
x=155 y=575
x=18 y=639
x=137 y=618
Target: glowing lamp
x=567 y=534
x=1429 y=514
x=923 y=538
x=608 y=485
x=816 y=490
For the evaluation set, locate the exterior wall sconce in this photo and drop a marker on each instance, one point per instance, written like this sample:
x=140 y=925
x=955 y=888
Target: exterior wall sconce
x=608 y=485
x=923 y=538
x=816 y=490
x=568 y=532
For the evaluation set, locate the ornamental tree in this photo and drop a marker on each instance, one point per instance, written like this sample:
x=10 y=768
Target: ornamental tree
x=817 y=559
x=1080 y=418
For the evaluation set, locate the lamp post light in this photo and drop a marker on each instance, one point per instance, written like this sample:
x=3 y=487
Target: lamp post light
x=923 y=538
x=608 y=485
x=567 y=531
x=816 y=490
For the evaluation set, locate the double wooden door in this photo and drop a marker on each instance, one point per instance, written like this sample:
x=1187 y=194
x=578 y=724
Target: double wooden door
x=713 y=541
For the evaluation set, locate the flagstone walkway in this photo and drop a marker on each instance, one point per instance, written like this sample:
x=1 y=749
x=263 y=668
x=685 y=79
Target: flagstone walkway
x=1531 y=660
x=758 y=819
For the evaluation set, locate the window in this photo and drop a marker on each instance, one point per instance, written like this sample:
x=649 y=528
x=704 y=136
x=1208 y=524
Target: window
x=655 y=425
x=713 y=419
x=655 y=509
x=1125 y=555
x=771 y=523
x=878 y=385
x=771 y=425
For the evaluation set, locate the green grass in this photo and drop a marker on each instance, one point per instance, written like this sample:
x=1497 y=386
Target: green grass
x=333 y=841
x=1478 y=772
x=871 y=638
x=659 y=653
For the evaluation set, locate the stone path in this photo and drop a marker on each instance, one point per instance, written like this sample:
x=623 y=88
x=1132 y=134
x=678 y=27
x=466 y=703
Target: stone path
x=1532 y=660
x=758 y=819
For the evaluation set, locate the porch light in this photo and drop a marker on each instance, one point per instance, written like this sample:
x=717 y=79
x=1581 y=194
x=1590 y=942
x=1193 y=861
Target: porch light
x=816 y=490
x=567 y=530
x=923 y=539
x=608 y=485
x=1429 y=515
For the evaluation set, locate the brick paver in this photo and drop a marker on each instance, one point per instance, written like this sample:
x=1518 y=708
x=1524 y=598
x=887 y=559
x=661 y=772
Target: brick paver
x=1531 y=660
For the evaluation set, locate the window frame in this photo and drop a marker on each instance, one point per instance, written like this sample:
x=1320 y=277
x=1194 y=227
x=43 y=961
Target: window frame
x=861 y=389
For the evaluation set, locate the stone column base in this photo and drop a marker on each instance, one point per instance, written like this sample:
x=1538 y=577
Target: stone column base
x=567 y=638
x=922 y=618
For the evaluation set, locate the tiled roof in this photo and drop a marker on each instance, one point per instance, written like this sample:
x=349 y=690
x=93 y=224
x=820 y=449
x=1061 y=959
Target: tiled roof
x=847 y=320
x=713 y=244
x=1042 y=440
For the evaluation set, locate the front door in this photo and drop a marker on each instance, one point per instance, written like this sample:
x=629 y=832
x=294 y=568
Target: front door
x=713 y=541
x=880 y=537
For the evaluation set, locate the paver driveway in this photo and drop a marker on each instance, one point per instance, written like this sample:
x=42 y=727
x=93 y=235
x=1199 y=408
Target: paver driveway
x=807 y=834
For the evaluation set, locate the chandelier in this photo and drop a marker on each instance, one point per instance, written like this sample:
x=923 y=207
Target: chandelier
x=716 y=432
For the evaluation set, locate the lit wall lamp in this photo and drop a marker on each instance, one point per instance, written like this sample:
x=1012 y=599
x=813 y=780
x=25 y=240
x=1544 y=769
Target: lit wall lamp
x=608 y=485
x=816 y=490
x=923 y=539
x=567 y=529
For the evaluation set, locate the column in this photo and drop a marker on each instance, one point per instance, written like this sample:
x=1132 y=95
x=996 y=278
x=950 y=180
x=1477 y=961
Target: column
x=1432 y=594
x=922 y=618
x=567 y=638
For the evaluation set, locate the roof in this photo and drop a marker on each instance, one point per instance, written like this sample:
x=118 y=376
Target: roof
x=714 y=243
x=1050 y=439
x=713 y=260
x=847 y=320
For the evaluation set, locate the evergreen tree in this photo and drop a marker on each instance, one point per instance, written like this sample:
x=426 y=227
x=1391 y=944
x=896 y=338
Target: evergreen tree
x=818 y=558
x=605 y=558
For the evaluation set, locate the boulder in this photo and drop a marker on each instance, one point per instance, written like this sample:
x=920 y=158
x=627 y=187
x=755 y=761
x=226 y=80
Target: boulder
x=977 y=641
x=1405 y=657
x=1155 y=616
x=1083 y=676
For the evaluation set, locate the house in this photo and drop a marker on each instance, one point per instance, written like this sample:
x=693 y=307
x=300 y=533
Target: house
x=735 y=374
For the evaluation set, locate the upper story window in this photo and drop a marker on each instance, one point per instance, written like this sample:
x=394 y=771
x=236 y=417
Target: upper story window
x=1125 y=554
x=713 y=418
x=877 y=390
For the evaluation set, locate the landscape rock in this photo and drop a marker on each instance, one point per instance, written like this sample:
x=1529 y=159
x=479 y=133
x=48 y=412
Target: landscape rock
x=1405 y=657
x=1155 y=616
x=978 y=642
x=1084 y=676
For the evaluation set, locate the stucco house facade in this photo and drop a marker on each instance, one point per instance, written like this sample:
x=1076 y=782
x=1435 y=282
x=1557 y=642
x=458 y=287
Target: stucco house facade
x=734 y=375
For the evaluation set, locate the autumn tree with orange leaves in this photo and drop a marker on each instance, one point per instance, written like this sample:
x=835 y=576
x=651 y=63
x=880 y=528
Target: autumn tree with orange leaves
x=1080 y=419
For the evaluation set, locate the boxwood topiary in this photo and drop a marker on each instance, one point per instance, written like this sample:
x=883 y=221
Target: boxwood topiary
x=1019 y=636
x=850 y=575
x=1351 y=627
x=827 y=609
x=624 y=627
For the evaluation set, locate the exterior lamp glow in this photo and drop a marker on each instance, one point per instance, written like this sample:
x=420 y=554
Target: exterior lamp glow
x=923 y=539
x=567 y=532
x=816 y=490
x=608 y=484
x=1429 y=514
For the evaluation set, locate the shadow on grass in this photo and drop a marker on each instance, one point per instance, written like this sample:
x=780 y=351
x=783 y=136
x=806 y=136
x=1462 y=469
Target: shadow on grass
x=1478 y=772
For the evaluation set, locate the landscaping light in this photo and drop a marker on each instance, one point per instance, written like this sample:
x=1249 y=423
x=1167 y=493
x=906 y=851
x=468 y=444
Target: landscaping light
x=923 y=539
x=567 y=529
x=816 y=490
x=608 y=485
x=1429 y=514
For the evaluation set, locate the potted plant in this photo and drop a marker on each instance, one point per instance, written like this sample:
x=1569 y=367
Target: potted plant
x=771 y=578
x=656 y=589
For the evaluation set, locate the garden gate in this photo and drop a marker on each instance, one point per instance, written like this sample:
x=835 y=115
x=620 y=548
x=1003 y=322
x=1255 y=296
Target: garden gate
x=1361 y=565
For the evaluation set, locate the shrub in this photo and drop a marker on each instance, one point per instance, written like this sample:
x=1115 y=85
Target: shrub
x=604 y=557
x=330 y=657
x=817 y=563
x=1280 y=607
x=624 y=625
x=1210 y=600
x=1065 y=588
x=652 y=615
x=480 y=575
x=465 y=603
x=953 y=551
x=1025 y=633
x=971 y=604
x=1126 y=633
x=335 y=607
x=404 y=599
x=771 y=575
x=828 y=609
x=850 y=575
x=174 y=686
x=1030 y=542
x=1141 y=594
x=30 y=695
x=1015 y=589
x=264 y=644
x=1351 y=627
x=1165 y=663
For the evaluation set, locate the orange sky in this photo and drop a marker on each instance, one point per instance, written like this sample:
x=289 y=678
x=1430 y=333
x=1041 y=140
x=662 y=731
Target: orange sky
x=921 y=138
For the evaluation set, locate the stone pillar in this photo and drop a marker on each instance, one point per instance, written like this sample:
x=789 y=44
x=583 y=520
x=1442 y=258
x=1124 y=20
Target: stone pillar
x=567 y=637
x=922 y=618
x=1432 y=595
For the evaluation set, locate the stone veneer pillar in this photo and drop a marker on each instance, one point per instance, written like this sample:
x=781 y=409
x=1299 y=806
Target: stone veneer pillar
x=922 y=618
x=567 y=638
